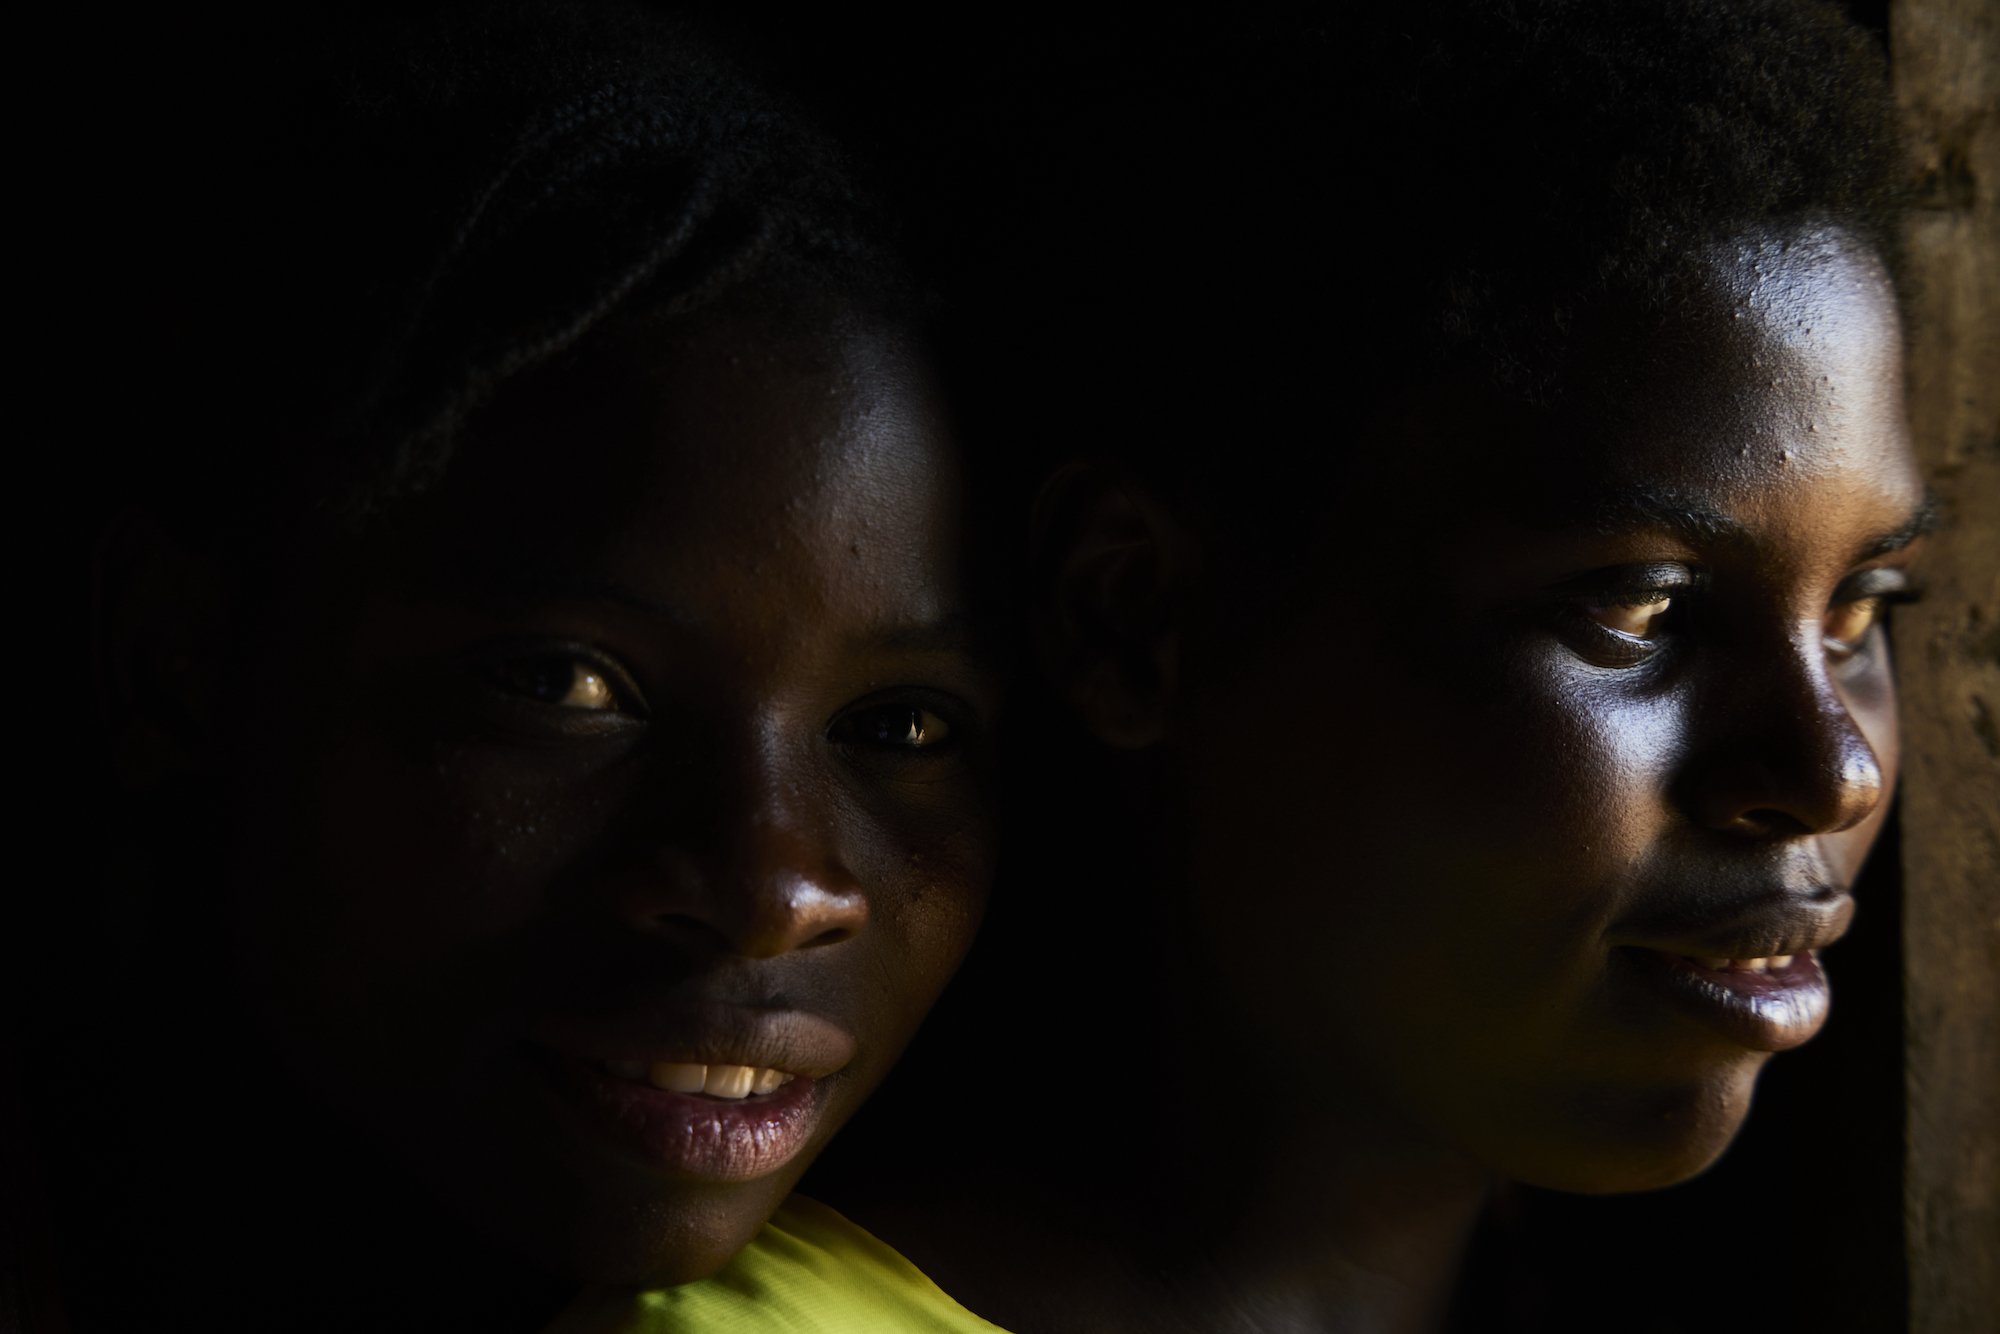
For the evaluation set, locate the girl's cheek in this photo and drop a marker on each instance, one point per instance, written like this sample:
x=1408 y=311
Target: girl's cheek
x=928 y=875
x=386 y=931
x=459 y=840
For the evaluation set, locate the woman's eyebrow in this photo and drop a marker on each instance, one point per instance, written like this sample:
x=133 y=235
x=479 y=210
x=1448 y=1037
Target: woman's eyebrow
x=1922 y=520
x=1648 y=507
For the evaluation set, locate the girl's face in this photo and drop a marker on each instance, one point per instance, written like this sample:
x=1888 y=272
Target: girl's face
x=1532 y=830
x=625 y=819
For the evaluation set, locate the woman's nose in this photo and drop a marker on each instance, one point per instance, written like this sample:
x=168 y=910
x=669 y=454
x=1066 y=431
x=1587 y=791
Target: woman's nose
x=761 y=875
x=1793 y=759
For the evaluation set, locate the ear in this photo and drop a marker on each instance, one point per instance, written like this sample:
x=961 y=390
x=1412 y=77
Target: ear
x=1114 y=574
x=157 y=624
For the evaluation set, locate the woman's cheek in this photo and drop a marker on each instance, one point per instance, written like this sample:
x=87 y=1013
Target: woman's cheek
x=1529 y=864
x=1567 y=765
x=1627 y=737
x=1870 y=696
x=1514 y=895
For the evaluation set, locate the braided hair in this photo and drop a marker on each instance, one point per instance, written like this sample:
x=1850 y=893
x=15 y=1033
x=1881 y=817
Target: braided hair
x=437 y=204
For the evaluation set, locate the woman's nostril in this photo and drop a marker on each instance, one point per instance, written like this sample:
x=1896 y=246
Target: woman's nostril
x=685 y=921
x=1769 y=820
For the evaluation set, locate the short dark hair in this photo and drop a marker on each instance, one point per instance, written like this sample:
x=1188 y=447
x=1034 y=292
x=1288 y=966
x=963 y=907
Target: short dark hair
x=442 y=201
x=1400 y=189
x=1542 y=153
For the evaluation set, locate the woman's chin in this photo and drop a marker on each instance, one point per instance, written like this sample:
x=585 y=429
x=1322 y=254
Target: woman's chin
x=1608 y=1142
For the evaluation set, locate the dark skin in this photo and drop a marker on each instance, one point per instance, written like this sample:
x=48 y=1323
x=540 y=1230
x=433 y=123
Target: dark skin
x=653 y=732
x=1598 y=687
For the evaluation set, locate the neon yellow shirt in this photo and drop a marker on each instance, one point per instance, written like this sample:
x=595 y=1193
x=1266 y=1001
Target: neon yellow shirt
x=810 y=1271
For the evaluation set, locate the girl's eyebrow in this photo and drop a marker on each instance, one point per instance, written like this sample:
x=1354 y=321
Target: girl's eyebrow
x=951 y=633
x=515 y=587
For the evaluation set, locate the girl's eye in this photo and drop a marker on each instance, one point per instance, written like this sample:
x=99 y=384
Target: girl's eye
x=1847 y=624
x=1638 y=617
x=564 y=682
x=894 y=727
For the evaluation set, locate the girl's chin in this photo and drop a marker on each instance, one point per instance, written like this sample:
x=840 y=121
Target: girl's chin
x=572 y=1193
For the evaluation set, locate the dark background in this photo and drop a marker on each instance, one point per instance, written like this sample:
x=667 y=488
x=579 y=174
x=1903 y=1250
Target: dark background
x=1003 y=137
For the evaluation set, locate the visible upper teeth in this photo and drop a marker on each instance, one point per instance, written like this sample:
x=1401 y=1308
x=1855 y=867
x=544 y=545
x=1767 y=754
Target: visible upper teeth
x=729 y=1081
x=1770 y=963
x=717 y=1081
x=678 y=1077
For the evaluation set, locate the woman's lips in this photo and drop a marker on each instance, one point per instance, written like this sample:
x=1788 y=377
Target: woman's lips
x=729 y=1135
x=1765 y=1004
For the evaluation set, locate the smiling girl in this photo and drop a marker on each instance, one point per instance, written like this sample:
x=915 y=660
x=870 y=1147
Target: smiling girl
x=542 y=675
x=1476 y=586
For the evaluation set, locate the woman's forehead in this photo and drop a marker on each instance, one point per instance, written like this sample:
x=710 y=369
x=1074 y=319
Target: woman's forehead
x=1778 y=361
x=1762 y=415
x=1783 y=361
x=1804 y=282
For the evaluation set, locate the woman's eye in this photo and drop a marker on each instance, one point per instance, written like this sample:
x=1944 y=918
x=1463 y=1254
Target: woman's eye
x=1638 y=617
x=899 y=727
x=1847 y=624
x=564 y=682
x=1630 y=616
x=1858 y=606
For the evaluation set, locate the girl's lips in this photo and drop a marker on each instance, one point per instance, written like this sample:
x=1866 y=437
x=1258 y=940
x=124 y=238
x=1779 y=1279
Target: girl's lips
x=1762 y=1004
x=689 y=1134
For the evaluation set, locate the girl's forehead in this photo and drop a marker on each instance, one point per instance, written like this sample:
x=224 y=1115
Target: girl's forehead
x=733 y=402
x=803 y=456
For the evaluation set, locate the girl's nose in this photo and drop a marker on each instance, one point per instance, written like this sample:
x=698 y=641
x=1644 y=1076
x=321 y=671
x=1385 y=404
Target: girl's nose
x=1793 y=761
x=764 y=876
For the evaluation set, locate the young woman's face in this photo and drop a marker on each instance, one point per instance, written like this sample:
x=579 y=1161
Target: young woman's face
x=628 y=821
x=1532 y=830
